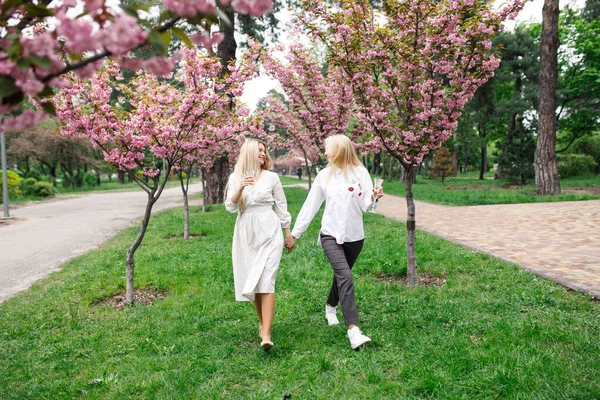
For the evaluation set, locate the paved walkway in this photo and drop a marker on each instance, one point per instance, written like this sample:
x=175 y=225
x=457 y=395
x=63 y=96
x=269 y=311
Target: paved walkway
x=46 y=234
x=558 y=241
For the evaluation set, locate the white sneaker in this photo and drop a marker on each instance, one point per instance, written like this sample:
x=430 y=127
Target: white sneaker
x=357 y=339
x=331 y=315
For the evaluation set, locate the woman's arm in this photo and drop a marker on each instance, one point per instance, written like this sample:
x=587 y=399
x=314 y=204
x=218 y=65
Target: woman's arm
x=309 y=208
x=235 y=191
x=281 y=205
x=369 y=201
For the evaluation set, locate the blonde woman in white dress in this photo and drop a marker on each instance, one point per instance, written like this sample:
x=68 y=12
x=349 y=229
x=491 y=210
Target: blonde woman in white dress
x=256 y=194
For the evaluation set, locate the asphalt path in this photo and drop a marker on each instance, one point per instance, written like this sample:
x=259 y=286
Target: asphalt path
x=44 y=235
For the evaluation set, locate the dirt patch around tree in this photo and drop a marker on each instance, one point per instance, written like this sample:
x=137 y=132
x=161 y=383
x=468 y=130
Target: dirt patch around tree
x=423 y=279
x=141 y=297
x=180 y=235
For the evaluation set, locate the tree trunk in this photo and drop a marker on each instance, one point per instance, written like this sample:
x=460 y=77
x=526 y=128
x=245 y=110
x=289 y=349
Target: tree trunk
x=383 y=170
x=308 y=173
x=203 y=191
x=186 y=216
x=376 y=169
x=226 y=49
x=186 y=208
x=546 y=171
x=216 y=179
x=455 y=154
x=52 y=173
x=121 y=176
x=129 y=261
x=483 y=161
x=482 y=135
x=411 y=256
x=390 y=167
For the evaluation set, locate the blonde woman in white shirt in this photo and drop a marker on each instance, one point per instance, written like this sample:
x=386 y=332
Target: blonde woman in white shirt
x=252 y=192
x=345 y=186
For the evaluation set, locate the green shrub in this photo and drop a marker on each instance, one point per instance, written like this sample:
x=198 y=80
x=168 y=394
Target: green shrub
x=13 y=184
x=79 y=179
x=591 y=146
x=574 y=164
x=35 y=174
x=43 y=189
x=90 y=179
x=27 y=186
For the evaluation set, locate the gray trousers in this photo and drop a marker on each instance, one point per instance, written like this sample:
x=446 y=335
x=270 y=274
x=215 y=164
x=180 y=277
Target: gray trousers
x=342 y=258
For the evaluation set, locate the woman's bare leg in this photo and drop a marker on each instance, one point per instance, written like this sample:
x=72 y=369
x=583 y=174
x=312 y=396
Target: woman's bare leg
x=258 y=308
x=265 y=308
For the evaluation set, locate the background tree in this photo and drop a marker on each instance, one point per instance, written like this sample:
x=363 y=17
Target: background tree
x=412 y=70
x=442 y=164
x=45 y=145
x=546 y=172
x=317 y=103
x=40 y=43
x=516 y=87
x=578 y=93
x=215 y=174
x=155 y=122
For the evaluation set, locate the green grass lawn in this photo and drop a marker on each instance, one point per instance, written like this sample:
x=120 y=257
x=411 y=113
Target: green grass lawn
x=492 y=331
x=293 y=180
x=469 y=190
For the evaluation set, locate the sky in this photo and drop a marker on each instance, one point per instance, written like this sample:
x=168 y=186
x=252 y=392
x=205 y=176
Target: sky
x=257 y=88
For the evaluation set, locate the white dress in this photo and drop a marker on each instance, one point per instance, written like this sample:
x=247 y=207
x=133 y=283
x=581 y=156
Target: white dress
x=257 y=237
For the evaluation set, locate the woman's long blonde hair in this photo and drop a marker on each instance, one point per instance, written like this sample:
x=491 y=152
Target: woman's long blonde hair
x=248 y=161
x=341 y=154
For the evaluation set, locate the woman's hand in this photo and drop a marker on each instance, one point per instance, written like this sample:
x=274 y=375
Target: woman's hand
x=377 y=193
x=290 y=242
x=247 y=181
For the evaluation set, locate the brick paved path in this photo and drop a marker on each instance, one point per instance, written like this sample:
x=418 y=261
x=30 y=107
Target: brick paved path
x=559 y=241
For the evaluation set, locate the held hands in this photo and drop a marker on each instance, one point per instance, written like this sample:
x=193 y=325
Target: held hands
x=290 y=242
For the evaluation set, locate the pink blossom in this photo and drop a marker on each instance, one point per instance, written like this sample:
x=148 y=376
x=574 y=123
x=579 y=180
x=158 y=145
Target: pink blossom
x=159 y=66
x=252 y=7
x=78 y=34
x=206 y=40
x=123 y=35
x=30 y=86
x=27 y=120
x=93 y=5
x=6 y=67
x=133 y=63
x=43 y=45
x=190 y=8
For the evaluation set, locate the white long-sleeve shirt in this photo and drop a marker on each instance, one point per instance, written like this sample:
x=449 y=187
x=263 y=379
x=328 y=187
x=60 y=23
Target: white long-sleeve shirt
x=346 y=198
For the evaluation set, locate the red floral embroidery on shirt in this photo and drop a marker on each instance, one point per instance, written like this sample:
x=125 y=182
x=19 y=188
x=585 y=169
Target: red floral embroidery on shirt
x=351 y=189
x=360 y=194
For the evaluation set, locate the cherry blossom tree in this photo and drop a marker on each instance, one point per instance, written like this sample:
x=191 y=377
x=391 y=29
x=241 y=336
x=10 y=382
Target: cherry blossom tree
x=317 y=104
x=412 y=66
x=42 y=41
x=154 y=121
